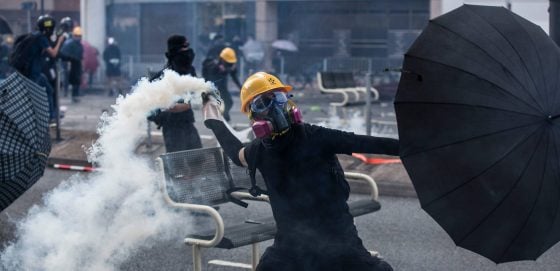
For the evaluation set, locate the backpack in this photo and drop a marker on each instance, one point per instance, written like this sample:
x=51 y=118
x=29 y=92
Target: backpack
x=20 y=57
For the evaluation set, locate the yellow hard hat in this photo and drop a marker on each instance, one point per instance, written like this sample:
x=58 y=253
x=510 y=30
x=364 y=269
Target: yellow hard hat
x=228 y=55
x=257 y=84
x=77 y=31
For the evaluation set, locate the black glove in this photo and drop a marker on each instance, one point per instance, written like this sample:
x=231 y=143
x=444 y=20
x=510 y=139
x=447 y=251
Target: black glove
x=155 y=117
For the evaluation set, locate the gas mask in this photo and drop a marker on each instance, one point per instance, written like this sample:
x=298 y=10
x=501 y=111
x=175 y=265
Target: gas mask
x=273 y=114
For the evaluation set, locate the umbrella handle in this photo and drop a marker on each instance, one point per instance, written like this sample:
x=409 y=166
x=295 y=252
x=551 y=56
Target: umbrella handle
x=41 y=154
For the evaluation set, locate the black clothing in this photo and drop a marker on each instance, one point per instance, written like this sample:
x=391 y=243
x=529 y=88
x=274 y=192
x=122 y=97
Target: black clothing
x=51 y=74
x=179 y=132
x=176 y=43
x=308 y=194
x=73 y=51
x=181 y=61
x=4 y=60
x=229 y=142
x=215 y=50
x=217 y=72
x=112 y=58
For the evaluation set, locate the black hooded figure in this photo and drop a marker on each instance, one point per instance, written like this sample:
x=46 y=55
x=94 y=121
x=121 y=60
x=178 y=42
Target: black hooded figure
x=179 y=132
x=303 y=177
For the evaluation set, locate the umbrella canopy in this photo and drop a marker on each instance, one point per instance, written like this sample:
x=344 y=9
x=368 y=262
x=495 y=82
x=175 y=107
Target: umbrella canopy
x=24 y=136
x=478 y=116
x=285 y=45
x=4 y=27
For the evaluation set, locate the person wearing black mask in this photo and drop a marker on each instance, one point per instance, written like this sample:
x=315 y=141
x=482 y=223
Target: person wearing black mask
x=179 y=132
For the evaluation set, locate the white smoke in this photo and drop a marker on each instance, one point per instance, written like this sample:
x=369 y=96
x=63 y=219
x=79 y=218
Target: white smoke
x=96 y=222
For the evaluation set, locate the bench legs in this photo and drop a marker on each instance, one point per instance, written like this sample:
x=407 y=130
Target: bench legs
x=197 y=261
x=255 y=256
x=197 y=258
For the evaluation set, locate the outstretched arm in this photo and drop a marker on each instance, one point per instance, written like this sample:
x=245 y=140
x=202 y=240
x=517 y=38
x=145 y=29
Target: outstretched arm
x=235 y=79
x=214 y=121
x=347 y=143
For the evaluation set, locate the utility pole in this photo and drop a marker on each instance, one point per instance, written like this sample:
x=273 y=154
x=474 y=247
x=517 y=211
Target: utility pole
x=29 y=6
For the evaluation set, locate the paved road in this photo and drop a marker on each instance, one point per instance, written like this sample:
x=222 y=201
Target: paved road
x=406 y=236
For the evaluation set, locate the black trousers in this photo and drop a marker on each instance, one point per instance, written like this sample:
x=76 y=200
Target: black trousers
x=274 y=259
x=228 y=103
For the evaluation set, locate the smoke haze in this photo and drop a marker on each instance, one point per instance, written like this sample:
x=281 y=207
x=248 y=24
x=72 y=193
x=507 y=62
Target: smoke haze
x=95 y=222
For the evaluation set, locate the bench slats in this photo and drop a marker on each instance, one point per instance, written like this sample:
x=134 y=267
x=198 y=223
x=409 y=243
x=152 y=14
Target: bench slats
x=249 y=233
x=364 y=206
x=242 y=234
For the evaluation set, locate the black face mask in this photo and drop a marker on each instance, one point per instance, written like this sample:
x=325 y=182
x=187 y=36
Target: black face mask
x=182 y=61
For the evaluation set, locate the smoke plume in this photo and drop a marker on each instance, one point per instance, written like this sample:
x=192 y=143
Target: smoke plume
x=95 y=222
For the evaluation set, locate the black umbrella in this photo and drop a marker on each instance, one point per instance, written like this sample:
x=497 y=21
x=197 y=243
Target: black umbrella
x=478 y=109
x=4 y=27
x=24 y=136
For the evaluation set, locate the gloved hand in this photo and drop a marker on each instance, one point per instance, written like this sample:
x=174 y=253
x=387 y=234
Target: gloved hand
x=155 y=117
x=211 y=107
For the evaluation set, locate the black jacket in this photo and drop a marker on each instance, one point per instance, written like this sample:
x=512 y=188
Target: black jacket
x=308 y=192
x=112 y=58
x=215 y=71
x=179 y=132
x=305 y=181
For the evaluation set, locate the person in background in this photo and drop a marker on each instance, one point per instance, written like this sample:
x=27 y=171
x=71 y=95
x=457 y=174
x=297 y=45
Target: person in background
x=304 y=180
x=218 y=71
x=218 y=44
x=179 y=132
x=112 y=59
x=28 y=56
x=73 y=51
x=90 y=63
x=65 y=28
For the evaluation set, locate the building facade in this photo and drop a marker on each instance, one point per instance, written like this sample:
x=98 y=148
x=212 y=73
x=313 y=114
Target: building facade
x=380 y=29
x=22 y=15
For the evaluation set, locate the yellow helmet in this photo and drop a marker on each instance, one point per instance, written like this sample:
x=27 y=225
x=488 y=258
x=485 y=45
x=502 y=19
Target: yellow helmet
x=77 y=31
x=257 y=84
x=228 y=55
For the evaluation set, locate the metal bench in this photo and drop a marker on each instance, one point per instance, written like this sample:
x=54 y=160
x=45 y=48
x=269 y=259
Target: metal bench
x=199 y=180
x=343 y=83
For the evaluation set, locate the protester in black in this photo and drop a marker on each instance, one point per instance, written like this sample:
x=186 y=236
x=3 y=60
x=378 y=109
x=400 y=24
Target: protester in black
x=179 y=132
x=217 y=71
x=73 y=52
x=112 y=58
x=303 y=177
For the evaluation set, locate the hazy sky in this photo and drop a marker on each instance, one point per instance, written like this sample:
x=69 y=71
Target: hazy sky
x=535 y=11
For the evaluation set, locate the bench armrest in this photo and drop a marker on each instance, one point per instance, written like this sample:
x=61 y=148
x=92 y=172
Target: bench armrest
x=195 y=208
x=374 y=192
